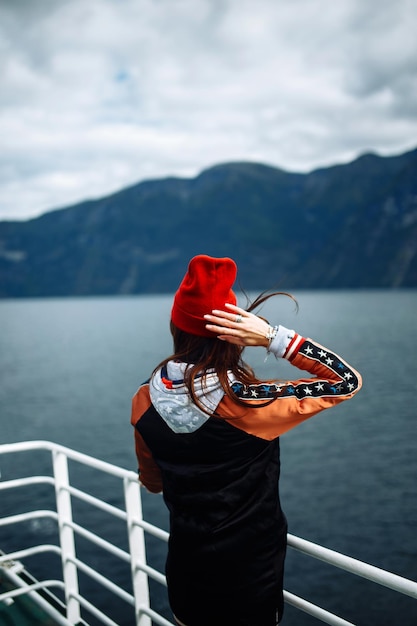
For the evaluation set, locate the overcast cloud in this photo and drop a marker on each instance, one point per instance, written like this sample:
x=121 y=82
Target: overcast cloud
x=100 y=94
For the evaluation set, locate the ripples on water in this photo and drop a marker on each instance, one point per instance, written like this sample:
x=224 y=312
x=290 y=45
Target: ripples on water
x=69 y=368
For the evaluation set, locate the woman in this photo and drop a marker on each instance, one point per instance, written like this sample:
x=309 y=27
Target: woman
x=207 y=435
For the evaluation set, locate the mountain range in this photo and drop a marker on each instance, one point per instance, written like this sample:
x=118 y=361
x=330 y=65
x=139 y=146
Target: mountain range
x=345 y=226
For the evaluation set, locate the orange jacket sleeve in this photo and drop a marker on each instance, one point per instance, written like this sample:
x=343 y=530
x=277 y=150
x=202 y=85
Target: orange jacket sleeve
x=333 y=381
x=149 y=473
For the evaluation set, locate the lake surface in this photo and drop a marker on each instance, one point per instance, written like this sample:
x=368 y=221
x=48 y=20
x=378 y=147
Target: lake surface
x=69 y=368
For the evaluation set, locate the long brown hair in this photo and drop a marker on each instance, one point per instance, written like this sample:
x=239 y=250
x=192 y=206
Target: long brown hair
x=205 y=354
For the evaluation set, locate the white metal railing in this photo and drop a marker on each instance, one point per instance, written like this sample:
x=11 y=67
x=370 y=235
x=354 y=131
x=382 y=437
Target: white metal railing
x=142 y=615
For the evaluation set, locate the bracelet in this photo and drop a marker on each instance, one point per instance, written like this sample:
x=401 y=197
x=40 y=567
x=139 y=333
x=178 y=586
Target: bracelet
x=271 y=334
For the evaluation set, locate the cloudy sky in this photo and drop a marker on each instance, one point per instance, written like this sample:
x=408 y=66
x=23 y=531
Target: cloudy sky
x=96 y=95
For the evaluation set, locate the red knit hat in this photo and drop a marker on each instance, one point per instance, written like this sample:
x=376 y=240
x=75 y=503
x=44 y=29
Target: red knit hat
x=207 y=285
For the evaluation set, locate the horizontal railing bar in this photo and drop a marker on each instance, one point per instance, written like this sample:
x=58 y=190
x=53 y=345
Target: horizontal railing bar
x=314 y=610
x=32 y=587
x=153 y=573
x=99 y=541
x=89 y=571
x=21 y=554
x=354 y=566
x=25 y=481
x=103 y=466
x=24 y=517
x=94 y=610
x=154 y=616
x=100 y=504
x=152 y=530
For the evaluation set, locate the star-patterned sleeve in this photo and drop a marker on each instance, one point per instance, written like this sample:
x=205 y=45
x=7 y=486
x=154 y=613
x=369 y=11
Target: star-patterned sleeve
x=332 y=381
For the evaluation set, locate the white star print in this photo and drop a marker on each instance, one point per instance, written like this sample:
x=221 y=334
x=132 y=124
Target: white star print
x=254 y=393
x=329 y=361
x=322 y=353
x=320 y=387
x=309 y=350
x=348 y=375
x=307 y=391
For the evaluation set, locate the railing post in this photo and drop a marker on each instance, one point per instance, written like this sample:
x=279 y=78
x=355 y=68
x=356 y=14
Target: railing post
x=66 y=534
x=137 y=549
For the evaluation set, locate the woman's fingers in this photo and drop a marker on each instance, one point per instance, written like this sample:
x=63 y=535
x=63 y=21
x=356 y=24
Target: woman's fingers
x=236 y=314
x=224 y=320
x=238 y=326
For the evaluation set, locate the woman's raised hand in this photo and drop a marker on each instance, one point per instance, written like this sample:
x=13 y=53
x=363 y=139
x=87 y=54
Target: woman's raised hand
x=236 y=325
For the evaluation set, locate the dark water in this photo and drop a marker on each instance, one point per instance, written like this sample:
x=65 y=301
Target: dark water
x=69 y=368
